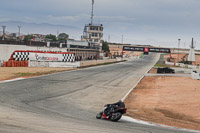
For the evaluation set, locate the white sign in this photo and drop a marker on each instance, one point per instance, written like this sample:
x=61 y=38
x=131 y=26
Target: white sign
x=48 y=57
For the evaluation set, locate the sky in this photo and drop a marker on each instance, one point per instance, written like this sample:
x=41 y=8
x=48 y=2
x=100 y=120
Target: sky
x=148 y=22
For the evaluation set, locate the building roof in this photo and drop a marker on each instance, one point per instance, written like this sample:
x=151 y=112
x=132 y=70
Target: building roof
x=94 y=24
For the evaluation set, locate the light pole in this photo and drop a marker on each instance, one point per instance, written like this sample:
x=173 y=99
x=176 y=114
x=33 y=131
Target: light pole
x=19 y=32
x=4 y=28
x=179 y=41
x=122 y=39
x=19 y=29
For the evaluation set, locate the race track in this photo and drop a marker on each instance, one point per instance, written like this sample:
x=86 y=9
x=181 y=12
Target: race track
x=68 y=102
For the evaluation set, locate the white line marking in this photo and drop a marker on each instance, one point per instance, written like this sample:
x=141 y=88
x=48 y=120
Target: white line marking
x=136 y=84
x=16 y=79
x=129 y=119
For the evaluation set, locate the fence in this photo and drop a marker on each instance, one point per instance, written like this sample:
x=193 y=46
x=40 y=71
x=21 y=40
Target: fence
x=181 y=65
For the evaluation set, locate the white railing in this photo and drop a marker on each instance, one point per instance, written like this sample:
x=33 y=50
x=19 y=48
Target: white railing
x=182 y=65
x=195 y=75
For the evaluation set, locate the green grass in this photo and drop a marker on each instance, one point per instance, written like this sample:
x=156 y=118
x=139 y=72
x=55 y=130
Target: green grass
x=33 y=74
x=142 y=56
x=23 y=74
x=161 y=62
x=162 y=65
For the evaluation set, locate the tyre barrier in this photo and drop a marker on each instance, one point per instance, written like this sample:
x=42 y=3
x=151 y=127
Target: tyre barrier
x=14 y=63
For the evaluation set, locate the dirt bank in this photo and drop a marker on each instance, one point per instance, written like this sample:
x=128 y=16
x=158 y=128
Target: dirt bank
x=173 y=101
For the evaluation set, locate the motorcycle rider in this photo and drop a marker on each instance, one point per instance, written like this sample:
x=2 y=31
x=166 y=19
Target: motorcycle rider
x=120 y=103
x=111 y=107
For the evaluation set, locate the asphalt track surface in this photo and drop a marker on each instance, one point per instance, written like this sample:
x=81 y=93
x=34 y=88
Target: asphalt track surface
x=68 y=102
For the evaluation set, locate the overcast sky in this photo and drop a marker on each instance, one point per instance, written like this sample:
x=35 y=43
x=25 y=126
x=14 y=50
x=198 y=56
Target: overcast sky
x=151 y=22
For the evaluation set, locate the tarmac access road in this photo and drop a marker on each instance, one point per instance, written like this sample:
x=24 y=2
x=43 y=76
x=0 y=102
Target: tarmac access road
x=68 y=102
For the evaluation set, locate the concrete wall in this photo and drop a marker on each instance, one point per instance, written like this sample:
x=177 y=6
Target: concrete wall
x=1 y=63
x=183 y=51
x=182 y=65
x=74 y=64
x=75 y=42
x=53 y=64
x=95 y=62
x=6 y=50
x=195 y=75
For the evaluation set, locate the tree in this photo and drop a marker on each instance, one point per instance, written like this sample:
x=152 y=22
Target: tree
x=28 y=37
x=105 y=47
x=63 y=37
x=51 y=37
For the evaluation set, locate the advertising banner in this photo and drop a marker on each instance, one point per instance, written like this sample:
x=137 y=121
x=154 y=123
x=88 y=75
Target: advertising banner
x=160 y=50
x=143 y=49
x=51 y=57
x=128 y=48
x=45 y=57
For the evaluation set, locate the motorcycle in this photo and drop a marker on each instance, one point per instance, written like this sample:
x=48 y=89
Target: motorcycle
x=111 y=112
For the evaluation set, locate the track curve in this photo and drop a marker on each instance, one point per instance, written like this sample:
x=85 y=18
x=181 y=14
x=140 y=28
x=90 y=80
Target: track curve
x=68 y=102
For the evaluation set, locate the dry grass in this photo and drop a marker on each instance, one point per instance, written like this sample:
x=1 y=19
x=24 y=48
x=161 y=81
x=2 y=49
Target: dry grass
x=15 y=72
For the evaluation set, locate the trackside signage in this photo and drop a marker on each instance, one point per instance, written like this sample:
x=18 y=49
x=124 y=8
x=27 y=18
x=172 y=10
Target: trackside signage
x=42 y=56
x=143 y=49
x=159 y=50
x=128 y=48
x=45 y=57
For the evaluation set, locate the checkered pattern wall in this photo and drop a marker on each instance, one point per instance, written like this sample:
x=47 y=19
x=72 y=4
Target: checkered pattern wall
x=68 y=58
x=21 y=56
x=24 y=56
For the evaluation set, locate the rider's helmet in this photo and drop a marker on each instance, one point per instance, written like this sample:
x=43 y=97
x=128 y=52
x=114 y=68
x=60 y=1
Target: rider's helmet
x=120 y=101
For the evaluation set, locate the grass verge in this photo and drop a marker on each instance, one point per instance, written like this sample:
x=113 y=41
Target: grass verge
x=100 y=64
x=16 y=75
